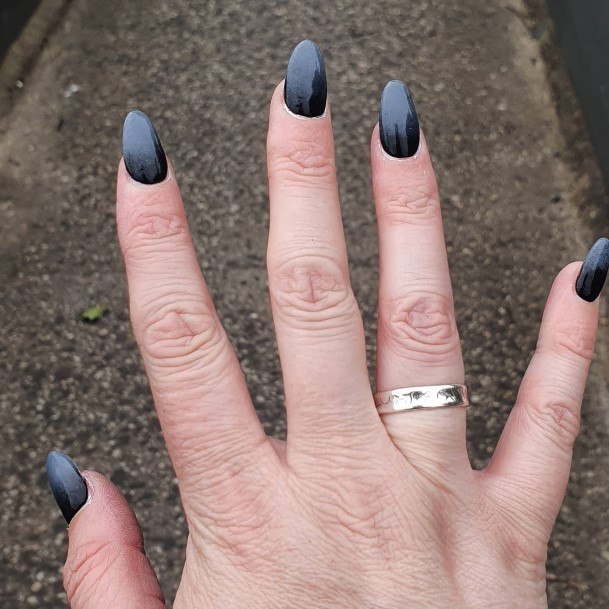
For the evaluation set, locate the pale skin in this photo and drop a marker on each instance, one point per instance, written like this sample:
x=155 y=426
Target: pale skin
x=354 y=510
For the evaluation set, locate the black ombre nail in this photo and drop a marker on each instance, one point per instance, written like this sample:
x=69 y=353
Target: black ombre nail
x=593 y=273
x=306 y=89
x=67 y=485
x=398 y=121
x=142 y=150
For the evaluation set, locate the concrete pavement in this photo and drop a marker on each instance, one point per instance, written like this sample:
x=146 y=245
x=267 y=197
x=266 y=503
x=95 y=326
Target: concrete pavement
x=521 y=192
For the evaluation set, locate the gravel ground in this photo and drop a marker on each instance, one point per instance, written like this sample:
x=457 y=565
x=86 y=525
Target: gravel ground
x=521 y=191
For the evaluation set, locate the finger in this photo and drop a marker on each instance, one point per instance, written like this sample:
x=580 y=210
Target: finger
x=531 y=464
x=204 y=407
x=106 y=564
x=418 y=341
x=317 y=320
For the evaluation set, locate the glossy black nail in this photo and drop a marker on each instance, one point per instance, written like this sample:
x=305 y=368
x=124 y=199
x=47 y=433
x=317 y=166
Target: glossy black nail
x=593 y=273
x=306 y=89
x=67 y=485
x=398 y=121
x=142 y=150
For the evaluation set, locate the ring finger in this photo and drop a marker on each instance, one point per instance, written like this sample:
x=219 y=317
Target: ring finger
x=418 y=342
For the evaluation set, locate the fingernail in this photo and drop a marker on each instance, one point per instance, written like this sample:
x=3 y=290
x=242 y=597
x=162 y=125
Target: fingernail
x=305 y=89
x=398 y=121
x=142 y=150
x=593 y=273
x=67 y=485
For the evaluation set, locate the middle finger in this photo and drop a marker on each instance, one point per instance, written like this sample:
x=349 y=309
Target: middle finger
x=319 y=328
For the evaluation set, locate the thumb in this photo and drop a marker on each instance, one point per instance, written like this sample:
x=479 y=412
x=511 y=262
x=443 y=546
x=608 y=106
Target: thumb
x=106 y=566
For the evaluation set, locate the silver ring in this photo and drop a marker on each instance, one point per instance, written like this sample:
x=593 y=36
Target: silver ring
x=415 y=398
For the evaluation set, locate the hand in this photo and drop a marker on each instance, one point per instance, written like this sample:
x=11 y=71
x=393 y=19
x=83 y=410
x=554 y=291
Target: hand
x=354 y=510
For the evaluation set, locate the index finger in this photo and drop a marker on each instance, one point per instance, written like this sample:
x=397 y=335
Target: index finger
x=204 y=407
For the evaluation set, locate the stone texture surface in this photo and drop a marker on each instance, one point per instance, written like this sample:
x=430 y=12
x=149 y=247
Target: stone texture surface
x=521 y=191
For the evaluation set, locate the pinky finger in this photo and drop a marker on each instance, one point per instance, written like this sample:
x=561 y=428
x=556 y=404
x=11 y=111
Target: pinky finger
x=530 y=467
x=106 y=564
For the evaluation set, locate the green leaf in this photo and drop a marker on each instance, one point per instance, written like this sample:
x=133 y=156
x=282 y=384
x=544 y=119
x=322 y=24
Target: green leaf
x=93 y=314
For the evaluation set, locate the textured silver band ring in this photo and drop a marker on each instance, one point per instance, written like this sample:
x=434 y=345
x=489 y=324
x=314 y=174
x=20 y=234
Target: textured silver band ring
x=415 y=398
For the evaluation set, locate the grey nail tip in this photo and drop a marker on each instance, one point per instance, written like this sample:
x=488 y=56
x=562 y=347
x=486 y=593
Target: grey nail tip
x=57 y=456
x=307 y=46
x=398 y=121
x=67 y=485
x=143 y=152
x=137 y=112
x=308 y=41
x=593 y=273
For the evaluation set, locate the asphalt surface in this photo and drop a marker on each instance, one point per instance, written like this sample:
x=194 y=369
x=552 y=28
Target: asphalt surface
x=521 y=191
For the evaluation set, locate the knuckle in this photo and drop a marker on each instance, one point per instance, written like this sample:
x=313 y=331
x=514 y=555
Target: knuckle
x=422 y=324
x=180 y=331
x=241 y=520
x=153 y=229
x=87 y=567
x=312 y=290
x=361 y=506
x=359 y=522
x=558 y=420
x=298 y=160
x=409 y=206
x=575 y=340
x=527 y=555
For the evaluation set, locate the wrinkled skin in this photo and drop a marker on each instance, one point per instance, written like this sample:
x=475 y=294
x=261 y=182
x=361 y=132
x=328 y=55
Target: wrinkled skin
x=355 y=510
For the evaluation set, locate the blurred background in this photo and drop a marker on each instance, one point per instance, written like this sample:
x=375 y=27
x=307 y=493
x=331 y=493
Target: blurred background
x=522 y=192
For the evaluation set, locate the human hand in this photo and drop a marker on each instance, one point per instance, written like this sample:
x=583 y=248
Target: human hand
x=354 y=510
